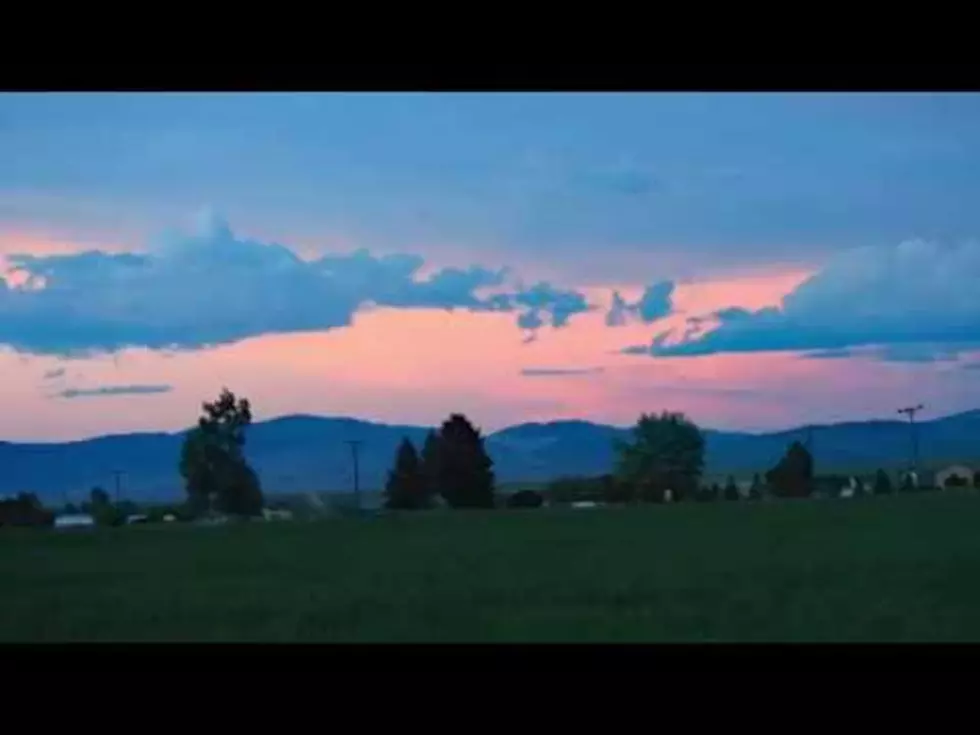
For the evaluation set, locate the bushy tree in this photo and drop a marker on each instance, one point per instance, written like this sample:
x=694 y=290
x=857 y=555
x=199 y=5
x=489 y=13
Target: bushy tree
x=666 y=453
x=706 y=494
x=212 y=463
x=525 y=499
x=406 y=488
x=731 y=490
x=99 y=498
x=908 y=484
x=792 y=477
x=25 y=510
x=956 y=481
x=102 y=509
x=462 y=469
x=883 y=483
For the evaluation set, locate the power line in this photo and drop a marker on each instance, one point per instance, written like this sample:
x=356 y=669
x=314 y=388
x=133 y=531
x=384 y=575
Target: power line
x=911 y=411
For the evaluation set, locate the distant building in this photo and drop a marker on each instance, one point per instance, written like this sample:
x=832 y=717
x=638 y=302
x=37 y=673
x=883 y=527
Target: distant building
x=281 y=514
x=954 y=475
x=75 y=520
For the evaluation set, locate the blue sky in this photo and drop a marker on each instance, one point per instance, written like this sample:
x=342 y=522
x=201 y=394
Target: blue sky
x=598 y=232
x=730 y=178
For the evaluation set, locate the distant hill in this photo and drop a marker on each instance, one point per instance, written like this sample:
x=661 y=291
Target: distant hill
x=309 y=453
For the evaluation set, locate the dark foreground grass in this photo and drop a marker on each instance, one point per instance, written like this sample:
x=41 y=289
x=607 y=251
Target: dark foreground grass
x=891 y=569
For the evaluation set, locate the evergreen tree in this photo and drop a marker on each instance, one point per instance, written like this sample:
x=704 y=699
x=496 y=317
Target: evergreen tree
x=406 y=487
x=463 y=469
x=731 y=490
x=755 y=491
x=429 y=465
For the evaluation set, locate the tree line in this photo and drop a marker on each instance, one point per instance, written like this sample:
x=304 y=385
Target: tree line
x=662 y=460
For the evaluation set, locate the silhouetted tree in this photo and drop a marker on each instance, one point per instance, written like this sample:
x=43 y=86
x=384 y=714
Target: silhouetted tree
x=883 y=483
x=976 y=479
x=406 y=487
x=463 y=469
x=757 y=488
x=731 y=489
x=429 y=465
x=706 y=494
x=24 y=510
x=908 y=484
x=612 y=489
x=212 y=463
x=955 y=480
x=792 y=477
x=666 y=453
x=99 y=498
x=71 y=509
x=525 y=499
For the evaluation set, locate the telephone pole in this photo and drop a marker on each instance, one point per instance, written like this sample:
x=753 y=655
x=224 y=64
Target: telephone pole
x=117 y=474
x=355 y=445
x=911 y=411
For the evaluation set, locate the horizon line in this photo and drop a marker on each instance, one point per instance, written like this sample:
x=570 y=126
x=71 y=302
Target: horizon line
x=331 y=417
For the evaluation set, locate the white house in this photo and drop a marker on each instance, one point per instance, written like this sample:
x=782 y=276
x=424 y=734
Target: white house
x=75 y=520
x=277 y=515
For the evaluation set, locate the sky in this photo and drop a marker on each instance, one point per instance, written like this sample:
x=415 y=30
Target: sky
x=757 y=261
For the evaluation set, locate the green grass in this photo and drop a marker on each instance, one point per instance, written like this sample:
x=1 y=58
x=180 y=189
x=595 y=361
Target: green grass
x=901 y=568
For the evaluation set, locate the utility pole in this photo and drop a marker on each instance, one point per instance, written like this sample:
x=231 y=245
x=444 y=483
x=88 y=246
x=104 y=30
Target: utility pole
x=911 y=411
x=117 y=474
x=355 y=445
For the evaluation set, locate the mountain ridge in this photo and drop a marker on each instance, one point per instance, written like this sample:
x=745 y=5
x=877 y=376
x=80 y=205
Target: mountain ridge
x=305 y=452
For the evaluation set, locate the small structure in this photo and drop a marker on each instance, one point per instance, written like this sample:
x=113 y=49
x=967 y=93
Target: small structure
x=74 y=520
x=585 y=504
x=169 y=518
x=277 y=514
x=954 y=476
x=137 y=519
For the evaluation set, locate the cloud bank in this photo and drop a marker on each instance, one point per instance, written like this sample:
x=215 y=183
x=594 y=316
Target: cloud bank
x=114 y=390
x=212 y=287
x=915 y=296
x=559 y=372
x=655 y=303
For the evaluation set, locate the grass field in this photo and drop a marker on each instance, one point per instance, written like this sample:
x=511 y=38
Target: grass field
x=901 y=568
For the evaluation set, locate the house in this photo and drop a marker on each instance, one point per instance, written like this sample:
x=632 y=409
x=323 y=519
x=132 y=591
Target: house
x=137 y=519
x=74 y=520
x=277 y=514
x=954 y=476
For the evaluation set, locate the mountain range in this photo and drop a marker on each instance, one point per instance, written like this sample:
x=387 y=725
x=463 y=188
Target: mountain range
x=309 y=453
